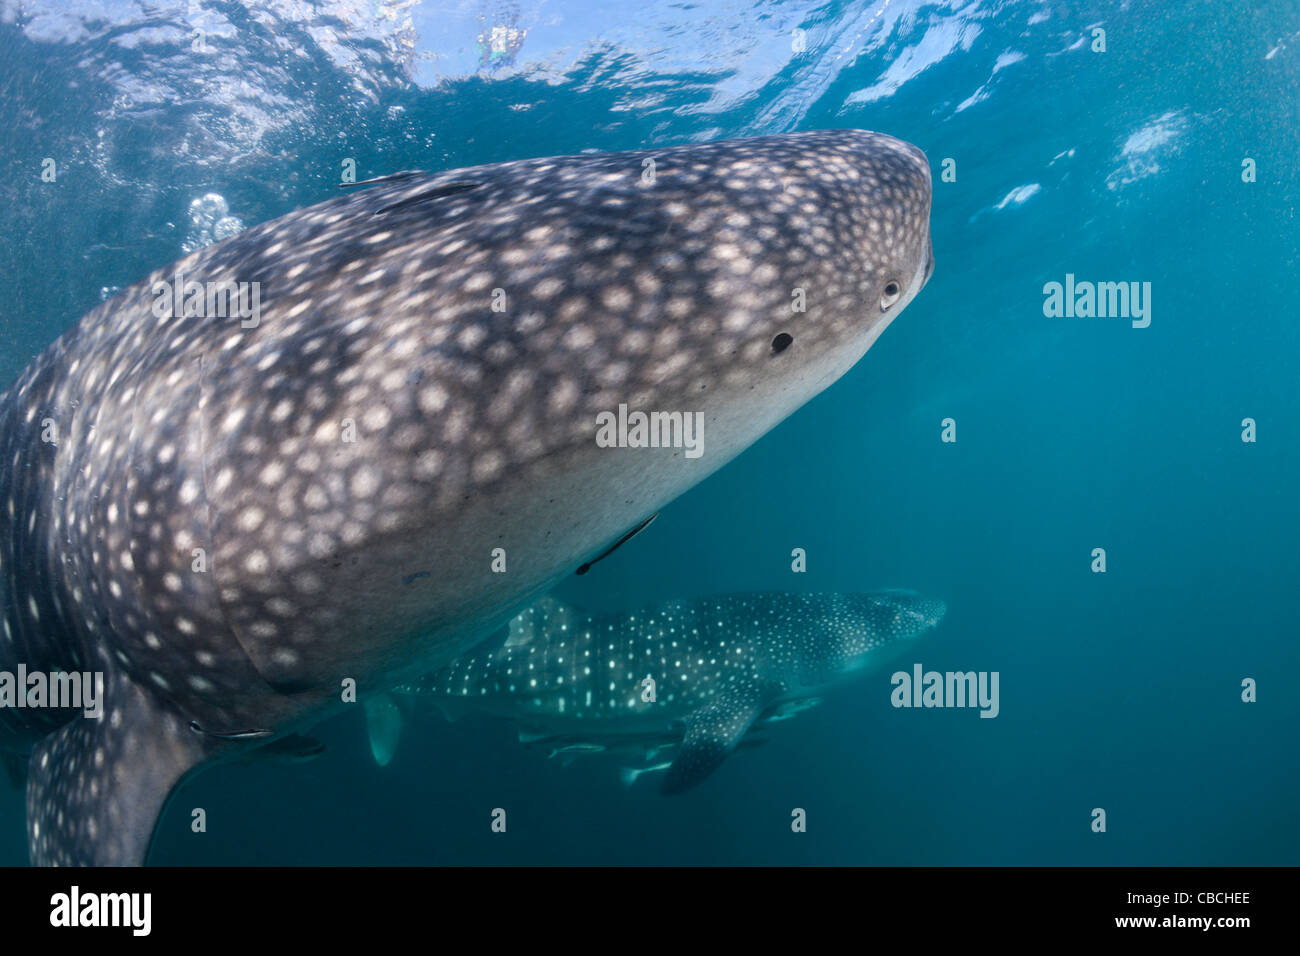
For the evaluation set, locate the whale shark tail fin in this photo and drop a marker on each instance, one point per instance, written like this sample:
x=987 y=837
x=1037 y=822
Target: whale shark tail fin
x=384 y=725
x=97 y=786
x=712 y=732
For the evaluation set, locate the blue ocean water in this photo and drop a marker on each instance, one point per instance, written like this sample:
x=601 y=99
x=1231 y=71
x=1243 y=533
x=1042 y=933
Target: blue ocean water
x=1120 y=690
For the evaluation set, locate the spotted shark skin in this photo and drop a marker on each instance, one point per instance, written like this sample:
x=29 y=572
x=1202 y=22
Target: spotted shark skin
x=203 y=533
x=578 y=682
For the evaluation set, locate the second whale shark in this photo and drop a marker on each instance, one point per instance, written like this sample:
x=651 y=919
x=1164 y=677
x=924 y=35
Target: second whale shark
x=688 y=680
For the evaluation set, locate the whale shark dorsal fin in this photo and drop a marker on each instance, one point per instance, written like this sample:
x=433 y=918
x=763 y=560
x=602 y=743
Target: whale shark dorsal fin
x=384 y=725
x=545 y=617
x=97 y=786
x=712 y=732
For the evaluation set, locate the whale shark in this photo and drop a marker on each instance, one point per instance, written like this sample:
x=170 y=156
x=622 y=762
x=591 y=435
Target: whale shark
x=674 y=687
x=346 y=446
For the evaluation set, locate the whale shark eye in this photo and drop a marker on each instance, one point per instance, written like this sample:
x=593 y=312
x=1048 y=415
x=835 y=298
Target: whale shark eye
x=892 y=291
x=782 y=342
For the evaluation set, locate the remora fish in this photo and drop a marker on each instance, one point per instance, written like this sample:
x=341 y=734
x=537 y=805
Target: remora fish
x=230 y=518
x=718 y=667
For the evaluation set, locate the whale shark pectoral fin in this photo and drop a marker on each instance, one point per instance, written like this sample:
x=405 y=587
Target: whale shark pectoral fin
x=97 y=786
x=712 y=732
x=384 y=725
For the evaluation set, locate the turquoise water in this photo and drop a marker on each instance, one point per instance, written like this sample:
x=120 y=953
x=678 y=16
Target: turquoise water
x=1119 y=690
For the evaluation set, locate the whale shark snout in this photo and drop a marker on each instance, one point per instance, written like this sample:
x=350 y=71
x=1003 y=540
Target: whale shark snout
x=870 y=627
x=399 y=449
x=932 y=613
x=855 y=207
x=913 y=613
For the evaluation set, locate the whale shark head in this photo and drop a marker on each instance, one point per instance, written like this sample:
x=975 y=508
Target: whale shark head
x=848 y=215
x=753 y=273
x=872 y=626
